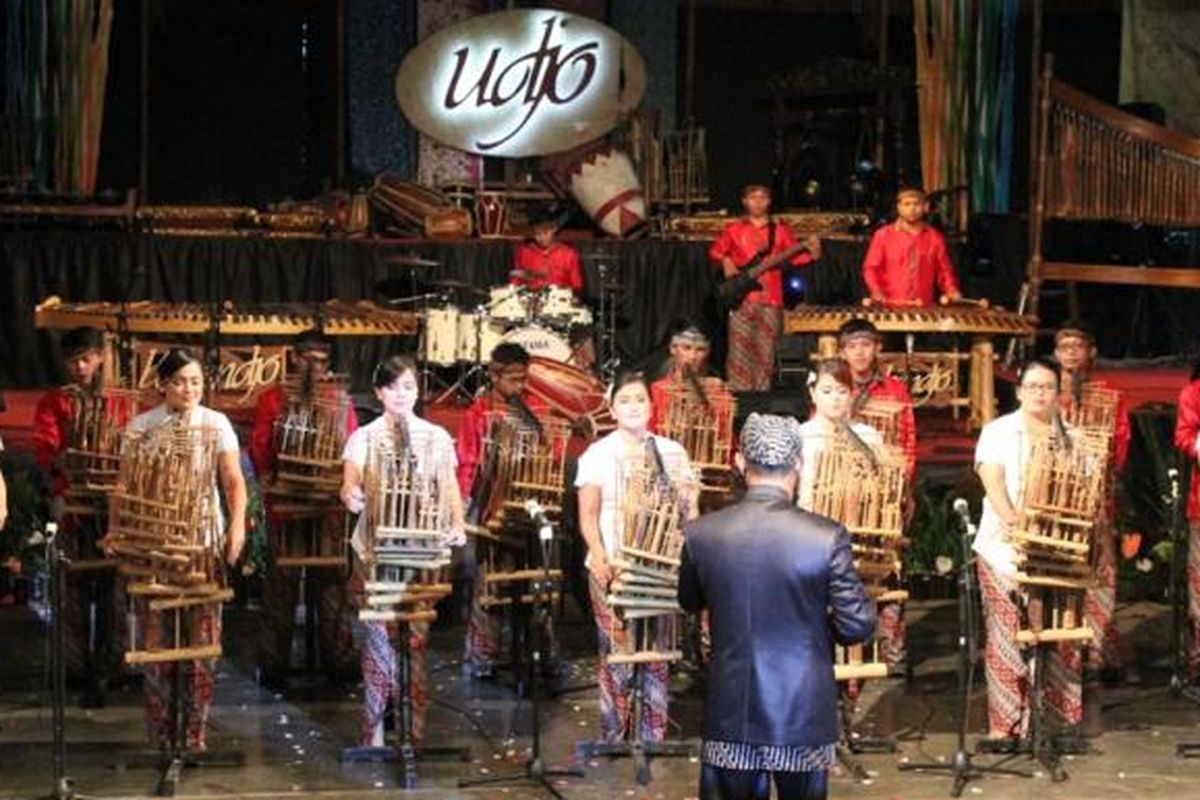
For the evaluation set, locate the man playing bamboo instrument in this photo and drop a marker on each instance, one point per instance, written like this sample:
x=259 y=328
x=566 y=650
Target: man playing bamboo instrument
x=907 y=259
x=92 y=609
x=1075 y=351
x=689 y=352
x=859 y=345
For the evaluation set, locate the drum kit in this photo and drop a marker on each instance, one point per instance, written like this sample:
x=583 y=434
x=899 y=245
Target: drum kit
x=463 y=324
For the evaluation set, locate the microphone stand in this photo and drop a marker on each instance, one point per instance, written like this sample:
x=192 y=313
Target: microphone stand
x=534 y=771
x=1178 y=589
x=56 y=563
x=960 y=766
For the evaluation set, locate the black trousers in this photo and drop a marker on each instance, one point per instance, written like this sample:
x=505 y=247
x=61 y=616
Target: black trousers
x=735 y=784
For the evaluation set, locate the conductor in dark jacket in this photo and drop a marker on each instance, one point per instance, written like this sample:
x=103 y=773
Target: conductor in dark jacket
x=780 y=587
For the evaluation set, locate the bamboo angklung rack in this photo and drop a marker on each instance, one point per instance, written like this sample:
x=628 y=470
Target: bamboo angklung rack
x=653 y=509
x=166 y=537
x=884 y=416
x=868 y=499
x=92 y=457
x=530 y=465
x=704 y=426
x=309 y=437
x=405 y=520
x=1055 y=540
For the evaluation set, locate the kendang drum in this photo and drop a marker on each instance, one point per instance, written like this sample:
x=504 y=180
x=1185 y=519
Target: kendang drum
x=478 y=335
x=491 y=214
x=571 y=393
x=441 y=336
x=539 y=341
x=603 y=181
x=508 y=303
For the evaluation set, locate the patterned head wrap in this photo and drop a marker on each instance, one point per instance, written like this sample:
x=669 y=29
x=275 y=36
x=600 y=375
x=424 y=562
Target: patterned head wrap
x=771 y=442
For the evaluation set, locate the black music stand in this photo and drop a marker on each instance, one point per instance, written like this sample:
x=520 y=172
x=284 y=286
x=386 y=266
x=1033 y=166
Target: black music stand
x=405 y=752
x=635 y=747
x=960 y=766
x=534 y=771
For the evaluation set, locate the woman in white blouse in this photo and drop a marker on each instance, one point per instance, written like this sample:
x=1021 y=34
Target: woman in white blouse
x=181 y=384
x=831 y=387
x=598 y=480
x=396 y=387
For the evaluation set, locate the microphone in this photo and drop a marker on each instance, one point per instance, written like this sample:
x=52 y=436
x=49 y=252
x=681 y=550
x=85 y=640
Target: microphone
x=963 y=510
x=538 y=514
x=1173 y=477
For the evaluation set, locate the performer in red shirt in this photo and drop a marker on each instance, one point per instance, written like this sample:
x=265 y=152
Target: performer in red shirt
x=1075 y=351
x=755 y=325
x=91 y=639
x=908 y=257
x=508 y=375
x=1187 y=441
x=689 y=351
x=859 y=344
x=311 y=354
x=546 y=261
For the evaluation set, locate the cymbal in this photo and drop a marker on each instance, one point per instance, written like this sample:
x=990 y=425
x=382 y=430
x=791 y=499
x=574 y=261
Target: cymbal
x=410 y=260
x=526 y=274
x=453 y=283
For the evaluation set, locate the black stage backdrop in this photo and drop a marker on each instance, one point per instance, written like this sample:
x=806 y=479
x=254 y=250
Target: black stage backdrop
x=664 y=282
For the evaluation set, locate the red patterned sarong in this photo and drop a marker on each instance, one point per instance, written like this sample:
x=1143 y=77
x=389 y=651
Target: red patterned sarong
x=754 y=329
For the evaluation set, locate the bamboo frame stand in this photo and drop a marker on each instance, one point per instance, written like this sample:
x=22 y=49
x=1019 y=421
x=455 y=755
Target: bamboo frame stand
x=700 y=417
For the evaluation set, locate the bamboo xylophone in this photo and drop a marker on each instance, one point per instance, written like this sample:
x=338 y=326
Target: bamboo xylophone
x=867 y=497
x=405 y=520
x=164 y=534
x=700 y=417
x=1055 y=540
x=929 y=319
x=309 y=437
x=334 y=317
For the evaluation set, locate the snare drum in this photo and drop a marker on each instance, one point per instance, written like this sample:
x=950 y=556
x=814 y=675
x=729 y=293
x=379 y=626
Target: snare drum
x=478 y=335
x=539 y=341
x=441 y=336
x=508 y=304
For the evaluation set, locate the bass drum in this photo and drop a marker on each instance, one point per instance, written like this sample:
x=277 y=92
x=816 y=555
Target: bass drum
x=441 y=336
x=539 y=341
x=572 y=393
x=477 y=337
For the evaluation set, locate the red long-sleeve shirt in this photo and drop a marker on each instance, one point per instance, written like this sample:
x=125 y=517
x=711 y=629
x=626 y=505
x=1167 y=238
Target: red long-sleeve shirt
x=473 y=429
x=1187 y=430
x=267 y=410
x=902 y=266
x=888 y=387
x=558 y=262
x=743 y=240
x=52 y=421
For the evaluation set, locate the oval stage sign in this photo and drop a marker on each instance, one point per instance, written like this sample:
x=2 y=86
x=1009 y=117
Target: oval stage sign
x=520 y=83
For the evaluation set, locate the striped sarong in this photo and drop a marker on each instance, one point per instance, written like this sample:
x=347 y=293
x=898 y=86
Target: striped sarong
x=1193 y=581
x=754 y=329
x=616 y=681
x=380 y=677
x=1008 y=672
x=197 y=683
x=1107 y=650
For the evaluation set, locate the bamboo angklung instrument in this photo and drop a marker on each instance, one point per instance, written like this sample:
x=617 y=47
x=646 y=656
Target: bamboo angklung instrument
x=405 y=520
x=653 y=505
x=1055 y=539
x=699 y=416
x=866 y=495
x=530 y=464
x=309 y=437
x=166 y=537
x=884 y=416
x=92 y=456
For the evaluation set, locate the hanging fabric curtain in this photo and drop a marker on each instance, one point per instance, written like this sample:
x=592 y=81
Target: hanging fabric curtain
x=57 y=70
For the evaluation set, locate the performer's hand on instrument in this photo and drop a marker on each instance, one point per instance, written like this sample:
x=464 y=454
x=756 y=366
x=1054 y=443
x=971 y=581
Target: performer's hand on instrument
x=235 y=540
x=813 y=243
x=729 y=267
x=873 y=300
x=352 y=498
x=456 y=536
x=106 y=544
x=601 y=570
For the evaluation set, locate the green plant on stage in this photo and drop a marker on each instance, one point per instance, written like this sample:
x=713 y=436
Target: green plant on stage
x=27 y=512
x=255 y=554
x=1144 y=503
x=934 y=532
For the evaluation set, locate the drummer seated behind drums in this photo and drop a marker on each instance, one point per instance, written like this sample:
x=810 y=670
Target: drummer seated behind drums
x=545 y=261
